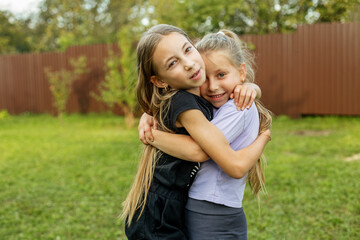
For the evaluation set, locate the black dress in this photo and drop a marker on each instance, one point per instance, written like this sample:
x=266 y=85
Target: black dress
x=163 y=215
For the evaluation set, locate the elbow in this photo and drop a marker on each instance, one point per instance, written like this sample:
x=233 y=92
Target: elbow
x=237 y=175
x=237 y=172
x=234 y=168
x=194 y=153
x=203 y=158
x=241 y=170
x=200 y=156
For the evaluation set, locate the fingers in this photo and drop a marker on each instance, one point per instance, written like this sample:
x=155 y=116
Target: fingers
x=252 y=99
x=236 y=94
x=143 y=139
x=148 y=134
x=155 y=123
x=142 y=134
x=241 y=104
x=247 y=100
x=244 y=96
x=144 y=128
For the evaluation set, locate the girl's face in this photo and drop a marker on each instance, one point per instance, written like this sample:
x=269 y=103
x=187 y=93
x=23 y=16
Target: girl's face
x=178 y=64
x=221 y=77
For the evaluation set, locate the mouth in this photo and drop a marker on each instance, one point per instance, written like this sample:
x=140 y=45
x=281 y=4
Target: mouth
x=196 y=75
x=217 y=96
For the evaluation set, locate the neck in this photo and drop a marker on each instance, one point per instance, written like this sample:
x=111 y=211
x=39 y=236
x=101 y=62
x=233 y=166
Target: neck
x=195 y=91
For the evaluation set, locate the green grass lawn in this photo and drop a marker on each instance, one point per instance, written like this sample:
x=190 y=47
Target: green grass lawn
x=68 y=181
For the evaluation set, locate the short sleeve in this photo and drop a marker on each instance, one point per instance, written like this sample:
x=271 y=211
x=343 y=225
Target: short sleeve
x=230 y=121
x=181 y=102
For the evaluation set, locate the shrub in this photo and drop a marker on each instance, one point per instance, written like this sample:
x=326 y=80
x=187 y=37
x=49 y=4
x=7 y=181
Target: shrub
x=61 y=82
x=118 y=88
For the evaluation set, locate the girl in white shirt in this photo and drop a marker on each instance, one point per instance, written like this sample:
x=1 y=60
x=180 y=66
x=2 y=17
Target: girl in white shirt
x=214 y=209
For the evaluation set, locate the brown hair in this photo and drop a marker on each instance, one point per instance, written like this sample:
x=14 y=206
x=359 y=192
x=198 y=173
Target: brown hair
x=155 y=102
x=238 y=53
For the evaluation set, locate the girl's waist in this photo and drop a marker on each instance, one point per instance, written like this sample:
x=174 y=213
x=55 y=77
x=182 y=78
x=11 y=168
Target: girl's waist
x=206 y=207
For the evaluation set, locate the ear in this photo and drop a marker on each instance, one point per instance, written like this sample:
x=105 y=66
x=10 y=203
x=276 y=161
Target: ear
x=158 y=82
x=242 y=70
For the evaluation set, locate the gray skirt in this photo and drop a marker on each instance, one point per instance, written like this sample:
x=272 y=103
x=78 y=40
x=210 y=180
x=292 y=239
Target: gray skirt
x=205 y=221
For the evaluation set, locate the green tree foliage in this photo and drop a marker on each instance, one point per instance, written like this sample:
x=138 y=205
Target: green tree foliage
x=248 y=16
x=118 y=88
x=13 y=37
x=61 y=82
x=62 y=23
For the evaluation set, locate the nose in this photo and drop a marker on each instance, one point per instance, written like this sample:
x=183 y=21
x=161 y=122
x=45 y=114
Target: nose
x=213 y=86
x=188 y=64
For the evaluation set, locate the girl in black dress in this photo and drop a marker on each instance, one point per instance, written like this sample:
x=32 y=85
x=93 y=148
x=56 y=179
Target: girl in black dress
x=167 y=62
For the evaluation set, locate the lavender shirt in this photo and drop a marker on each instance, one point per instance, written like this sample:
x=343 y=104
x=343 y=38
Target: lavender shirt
x=213 y=184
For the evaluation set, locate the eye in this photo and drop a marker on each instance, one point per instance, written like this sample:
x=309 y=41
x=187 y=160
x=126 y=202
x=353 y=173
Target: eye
x=221 y=75
x=188 y=49
x=172 y=63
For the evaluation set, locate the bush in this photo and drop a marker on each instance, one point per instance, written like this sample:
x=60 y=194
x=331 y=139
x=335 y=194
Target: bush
x=4 y=114
x=61 y=82
x=118 y=88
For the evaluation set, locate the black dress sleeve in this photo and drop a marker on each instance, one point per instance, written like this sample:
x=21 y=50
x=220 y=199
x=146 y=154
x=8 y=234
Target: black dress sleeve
x=180 y=102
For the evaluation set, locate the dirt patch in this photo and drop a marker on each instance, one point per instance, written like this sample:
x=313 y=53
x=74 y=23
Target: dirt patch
x=313 y=132
x=353 y=158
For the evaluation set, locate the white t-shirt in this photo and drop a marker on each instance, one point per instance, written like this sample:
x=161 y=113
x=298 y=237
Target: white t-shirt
x=211 y=182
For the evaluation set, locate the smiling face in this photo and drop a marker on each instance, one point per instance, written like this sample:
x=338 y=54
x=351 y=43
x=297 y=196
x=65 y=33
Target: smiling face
x=178 y=64
x=221 y=77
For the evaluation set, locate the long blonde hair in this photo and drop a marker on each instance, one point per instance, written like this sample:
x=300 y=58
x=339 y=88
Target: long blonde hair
x=238 y=53
x=155 y=102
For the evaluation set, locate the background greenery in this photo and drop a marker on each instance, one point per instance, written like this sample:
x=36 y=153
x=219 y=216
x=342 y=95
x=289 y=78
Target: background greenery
x=68 y=181
x=62 y=23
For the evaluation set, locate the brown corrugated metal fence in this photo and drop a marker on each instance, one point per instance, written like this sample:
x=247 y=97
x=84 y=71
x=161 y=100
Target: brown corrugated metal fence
x=24 y=86
x=313 y=71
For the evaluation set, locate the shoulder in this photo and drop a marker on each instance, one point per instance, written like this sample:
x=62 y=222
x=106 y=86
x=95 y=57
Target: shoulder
x=183 y=101
x=253 y=111
x=180 y=93
x=229 y=120
x=228 y=114
x=182 y=97
x=228 y=108
x=183 y=93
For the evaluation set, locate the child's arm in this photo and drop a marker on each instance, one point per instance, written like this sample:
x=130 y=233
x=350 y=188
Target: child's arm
x=235 y=163
x=178 y=145
x=183 y=146
x=245 y=94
